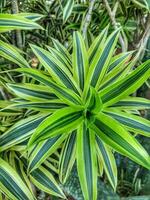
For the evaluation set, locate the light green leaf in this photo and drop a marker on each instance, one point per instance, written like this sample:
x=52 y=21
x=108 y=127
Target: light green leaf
x=131 y=122
x=63 y=120
x=67 y=9
x=43 y=150
x=87 y=162
x=126 y=86
x=66 y=95
x=113 y=134
x=11 y=183
x=57 y=70
x=10 y=22
x=80 y=60
x=13 y=54
x=20 y=131
x=108 y=161
x=45 y=181
x=67 y=157
x=132 y=103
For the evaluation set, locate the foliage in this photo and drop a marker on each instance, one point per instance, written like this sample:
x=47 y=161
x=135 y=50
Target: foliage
x=70 y=104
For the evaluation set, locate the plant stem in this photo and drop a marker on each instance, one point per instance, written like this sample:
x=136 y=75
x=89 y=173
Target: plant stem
x=17 y=36
x=114 y=23
x=88 y=18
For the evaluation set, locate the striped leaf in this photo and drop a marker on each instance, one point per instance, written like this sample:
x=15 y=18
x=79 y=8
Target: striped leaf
x=67 y=157
x=11 y=184
x=86 y=162
x=56 y=69
x=64 y=52
x=100 y=62
x=43 y=150
x=108 y=161
x=60 y=57
x=31 y=16
x=20 y=131
x=32 y=92
x=132 y=103
x=12 y=53
x=61 y=121
x=50 y=106
x=115 y=69
x=66 y=95
x=113 y=134
x=80 y=59
x=126 y=86
x=67 y=9
x=45 y=181
x=131 y=122
x=10 y=22
x=96 y=44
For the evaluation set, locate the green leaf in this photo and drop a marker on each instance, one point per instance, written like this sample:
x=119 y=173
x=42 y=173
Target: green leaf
x=131 y=122
x=43 y=150
x=126 y=86
x=11 y=184
x=67 y=9
x=67 y=157
x=80 y=60
x=20 y=131
x=32 y=92
x=66 y=95
x=132 y=103
x=60 y=56
x=62 y=50
x=113 y=134
x=12 y=53
x=10 y=22
x=56 y=69
x=98 y=42
x=48 y=106
x=118 y=65
x=63 y=120
x=87 y=162
x=45 y=181
x=100 y=62
x=31 y=16
x=108 y=161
